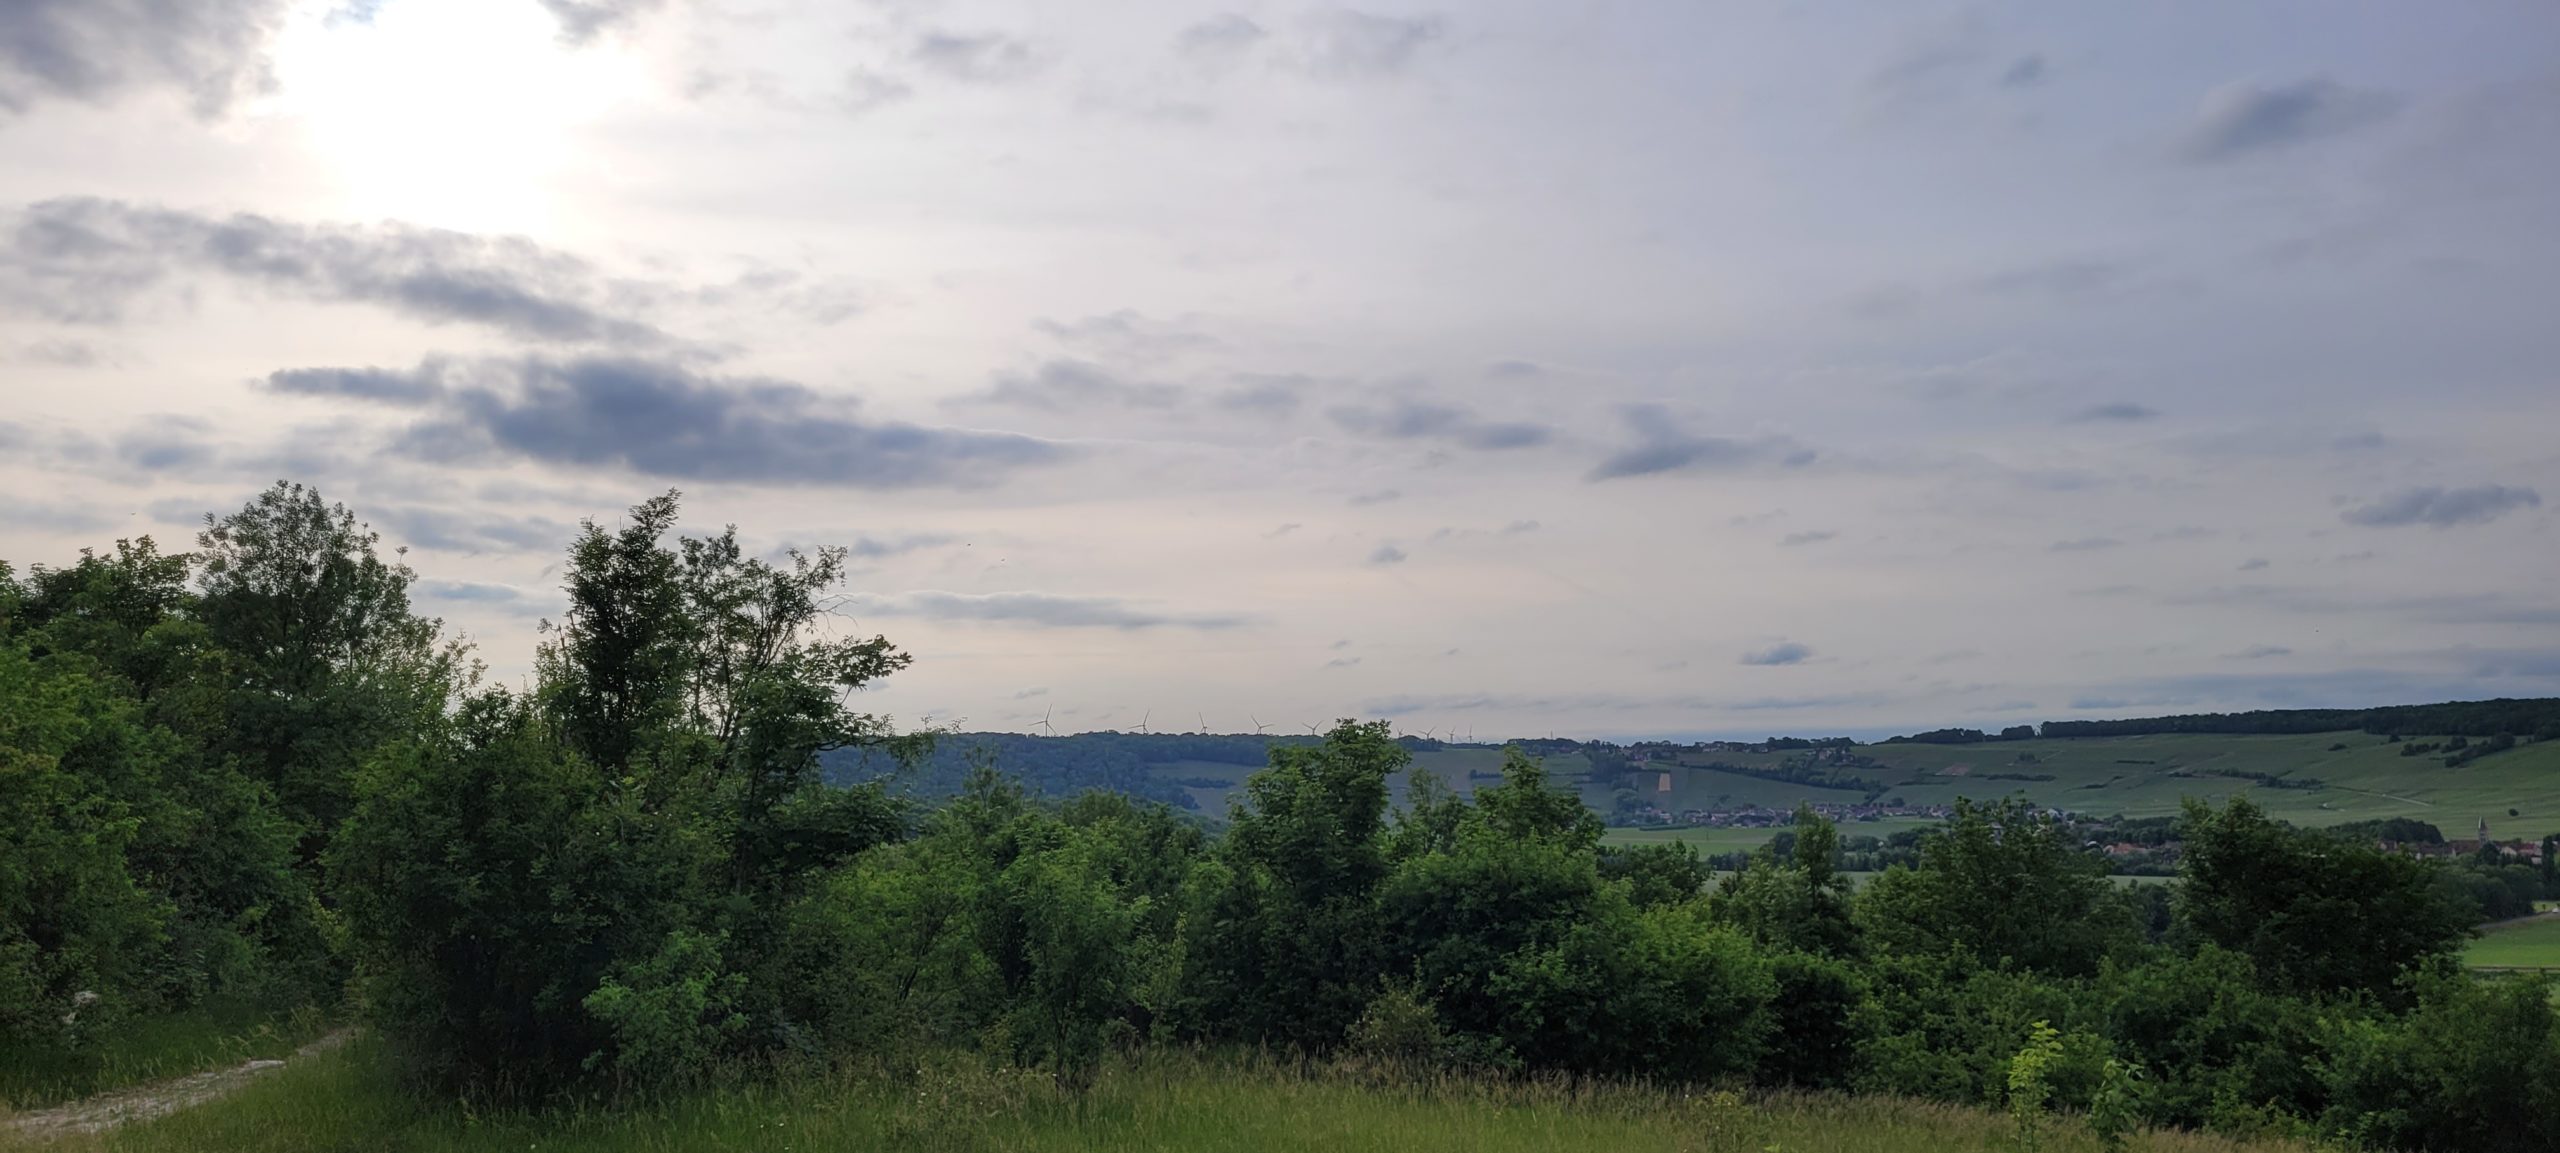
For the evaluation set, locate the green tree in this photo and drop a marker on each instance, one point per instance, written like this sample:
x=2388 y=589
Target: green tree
x=2004 y=885
x=2312 y=913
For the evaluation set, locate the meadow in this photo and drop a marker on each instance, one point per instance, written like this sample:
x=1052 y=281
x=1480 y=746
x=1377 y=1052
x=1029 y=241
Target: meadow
x=350 y=1100
x=2533 y=943
x=218 y=1032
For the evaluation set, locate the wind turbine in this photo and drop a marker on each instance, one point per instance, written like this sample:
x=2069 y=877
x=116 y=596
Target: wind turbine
x=1142 y=722
x=1258 y=727
x=1044 y=720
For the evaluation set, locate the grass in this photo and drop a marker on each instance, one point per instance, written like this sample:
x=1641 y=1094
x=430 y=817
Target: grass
x=347 y=1101
x=2528 y=944
x=217 y=1033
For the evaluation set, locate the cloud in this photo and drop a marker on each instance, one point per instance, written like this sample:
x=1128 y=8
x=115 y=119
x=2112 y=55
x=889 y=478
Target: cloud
x=1127 y=335
x=582 y=21
x=166 y=444
x=2242 y=119
x=2065 y=277
x=2259 y=653
x=58 y=354
x=1342 y=663
x=2253 y=564
x=1661 y=446
x=1517 y=527
x=95 y=50
x=979 y=57
x=664 y=419
x=2118 y=412
x=1064 y=385
x=1221 y=37
x=866 y=91
x=1267 y=394
x=379 y=385
x=2084 y=544
x=476 y=592
x=2024 y=72
x=1406 y=419
x=1377 y=496
x=87 y=260
x=1344 y=44
x=875 y=548
x=2442 y=507
x=1387 y=554
x=451 y=530
x=1799 y=539
x=1515 y=370
x=1787 y=653
x=1042 y=610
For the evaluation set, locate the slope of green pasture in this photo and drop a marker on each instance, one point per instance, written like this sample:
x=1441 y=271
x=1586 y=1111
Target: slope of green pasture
x=2530 y=944
x=2146 y=776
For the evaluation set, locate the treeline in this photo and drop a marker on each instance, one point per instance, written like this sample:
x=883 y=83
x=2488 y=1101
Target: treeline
x=630 y=875
x=2537 y=718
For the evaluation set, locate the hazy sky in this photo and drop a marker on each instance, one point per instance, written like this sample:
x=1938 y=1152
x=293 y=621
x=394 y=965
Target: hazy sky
x=1598 y=368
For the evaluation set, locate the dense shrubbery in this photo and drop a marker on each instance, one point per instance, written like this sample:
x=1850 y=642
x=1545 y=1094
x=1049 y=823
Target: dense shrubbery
x=631 y=875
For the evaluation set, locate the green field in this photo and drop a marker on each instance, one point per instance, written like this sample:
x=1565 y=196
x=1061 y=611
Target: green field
x=1457 y=768
x=2530 y=944
x=348 y=1101
x=1711 y=841
x=217 y=1033
x=2147 y=776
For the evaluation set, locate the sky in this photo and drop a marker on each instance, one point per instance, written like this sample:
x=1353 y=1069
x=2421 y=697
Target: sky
x=1499 y=369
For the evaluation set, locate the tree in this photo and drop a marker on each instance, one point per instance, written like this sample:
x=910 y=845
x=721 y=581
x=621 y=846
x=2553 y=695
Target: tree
x=1285 y=949
x=330 y=663
x=2004 y=885
x=2313 y=914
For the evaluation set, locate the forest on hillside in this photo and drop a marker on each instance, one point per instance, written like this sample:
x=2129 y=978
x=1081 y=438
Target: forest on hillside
x=254 y=770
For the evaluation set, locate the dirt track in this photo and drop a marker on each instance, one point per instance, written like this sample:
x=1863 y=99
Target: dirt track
x=156 y=1099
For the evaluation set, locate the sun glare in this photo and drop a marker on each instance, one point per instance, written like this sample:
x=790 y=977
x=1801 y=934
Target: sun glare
x=455 y=113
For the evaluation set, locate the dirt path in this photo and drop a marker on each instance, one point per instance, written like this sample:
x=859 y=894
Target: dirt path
x=156 y=1099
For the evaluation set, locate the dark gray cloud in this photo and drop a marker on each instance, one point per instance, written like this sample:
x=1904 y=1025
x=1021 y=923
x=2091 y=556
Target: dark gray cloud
x=582 y=21
x=1355 y=45
x=2243 y=119
x=1271 y=395
x=2439 y=507
x=1786 y=653
x=2024 y=72
x=1662 y=446
x=42 y=516
x=1075 y=385
x=454 y=530
x=377 y=385
x=665 y=419
x=1406 y=419
x=876 y=548
x=2259 y=653
x=58 y=354
x=1042 y=610
x=2118 y=412
x=1376 y=496
x=1128 y=335
x=2064 y=277
x=1517 y=527
x=165 y=444
x=2084 y=544
x=1223 y=36
x=1387 y=554
x=979 y=57
x=2253 y=564
x=482 y=594
x=86 y=261
x=95 y=50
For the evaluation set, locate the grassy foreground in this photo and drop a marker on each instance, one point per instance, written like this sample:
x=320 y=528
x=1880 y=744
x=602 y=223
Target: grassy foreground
x=347 y=1100
x=217 y=1033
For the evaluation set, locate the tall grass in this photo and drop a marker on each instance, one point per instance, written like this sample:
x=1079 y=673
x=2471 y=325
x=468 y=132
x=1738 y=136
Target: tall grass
x=220 y=1032
x=348 y=1100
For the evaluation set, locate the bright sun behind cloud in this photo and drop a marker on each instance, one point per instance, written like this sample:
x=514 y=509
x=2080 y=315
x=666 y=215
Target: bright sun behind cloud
x=454 y=113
